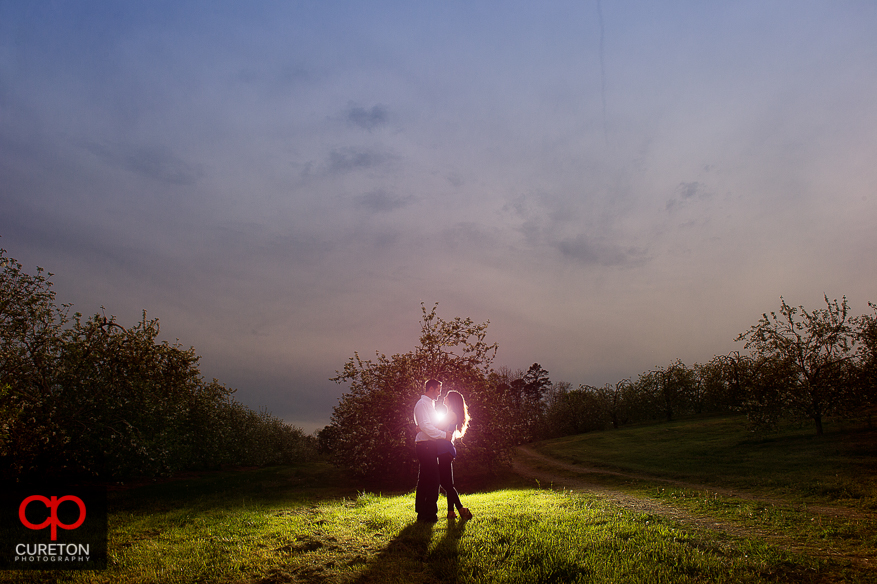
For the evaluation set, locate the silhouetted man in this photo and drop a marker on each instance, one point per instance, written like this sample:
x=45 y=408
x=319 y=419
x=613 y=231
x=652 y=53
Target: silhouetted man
x=426 y=496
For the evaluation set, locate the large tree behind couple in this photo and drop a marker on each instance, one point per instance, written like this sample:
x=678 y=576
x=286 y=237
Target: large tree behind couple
x=371 y=431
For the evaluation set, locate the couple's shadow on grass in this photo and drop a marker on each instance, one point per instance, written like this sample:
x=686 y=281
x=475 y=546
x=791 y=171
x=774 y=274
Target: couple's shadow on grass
x=408 y=557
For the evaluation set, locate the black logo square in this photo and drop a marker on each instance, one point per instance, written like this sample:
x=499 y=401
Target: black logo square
x=53 y=528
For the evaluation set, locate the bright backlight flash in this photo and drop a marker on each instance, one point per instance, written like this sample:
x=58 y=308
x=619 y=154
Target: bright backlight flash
x=439 y=416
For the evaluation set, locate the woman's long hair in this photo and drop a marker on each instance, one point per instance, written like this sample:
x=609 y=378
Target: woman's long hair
x=455 y=403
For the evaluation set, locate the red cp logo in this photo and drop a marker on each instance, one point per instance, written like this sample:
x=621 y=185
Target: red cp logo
x=52 y=506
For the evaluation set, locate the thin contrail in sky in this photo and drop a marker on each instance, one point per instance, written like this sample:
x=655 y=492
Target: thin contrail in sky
x=602 y=71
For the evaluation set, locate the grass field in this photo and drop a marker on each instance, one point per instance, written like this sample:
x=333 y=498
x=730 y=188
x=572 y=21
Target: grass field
x=814 y=494
x=311 y=524
x=839 y=467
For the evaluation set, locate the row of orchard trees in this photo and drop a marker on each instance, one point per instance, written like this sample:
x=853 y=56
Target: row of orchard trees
x=89 y=398
x=800 y=364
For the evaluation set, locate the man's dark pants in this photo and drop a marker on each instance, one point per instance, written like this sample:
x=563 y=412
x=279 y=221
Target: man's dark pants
x=426 y=496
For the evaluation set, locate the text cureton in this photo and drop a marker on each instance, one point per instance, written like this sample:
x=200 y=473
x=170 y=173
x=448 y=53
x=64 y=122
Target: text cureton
x=52 y=549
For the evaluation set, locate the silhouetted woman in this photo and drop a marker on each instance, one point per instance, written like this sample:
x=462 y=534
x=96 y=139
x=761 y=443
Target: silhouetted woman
x=456 y=422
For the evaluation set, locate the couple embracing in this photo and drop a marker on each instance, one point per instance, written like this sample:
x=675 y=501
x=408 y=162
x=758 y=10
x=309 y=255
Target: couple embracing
x=435 y=451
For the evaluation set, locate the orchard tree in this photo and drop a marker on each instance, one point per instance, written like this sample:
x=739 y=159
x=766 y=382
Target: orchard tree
x=31 y=327
x=814 y=349
x=372 y=429
x=643 y=401
x=768 y=394
x=128 y=399
x=556 y=414
x=663 y=392
x=678 y=386
x=736 y=371
x=581 y=410
x=615 y=399
x=709 y=394
x=867 y=357
x=504 y=411
x=509 y=403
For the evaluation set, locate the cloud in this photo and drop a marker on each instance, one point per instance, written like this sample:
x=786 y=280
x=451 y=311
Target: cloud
x=349 y=159
x=155 y=162
x=475 y=242
x=690 y=189
x=368 y=119
x=382 y=202
x=589 y=252
x=687 y=191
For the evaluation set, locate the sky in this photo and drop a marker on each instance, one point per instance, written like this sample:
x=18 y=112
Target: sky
x=614 y=185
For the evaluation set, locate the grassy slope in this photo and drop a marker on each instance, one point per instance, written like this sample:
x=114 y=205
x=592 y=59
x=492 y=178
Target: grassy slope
x=805 y=492
x=309 y=524
x=839 y=467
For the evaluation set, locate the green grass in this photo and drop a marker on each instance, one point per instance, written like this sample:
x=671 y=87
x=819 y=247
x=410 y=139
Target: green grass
x=813 y=493
x=521 y=535
x=839 y=467
x=312 y=524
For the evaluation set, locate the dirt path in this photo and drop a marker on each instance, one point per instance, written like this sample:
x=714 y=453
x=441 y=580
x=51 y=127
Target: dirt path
x=549 y=471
